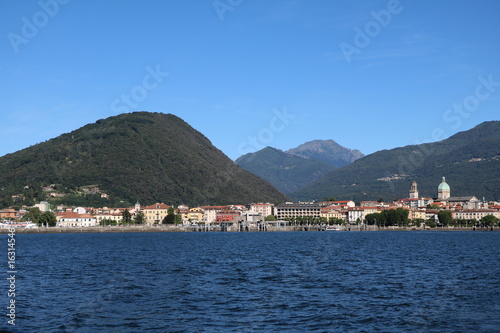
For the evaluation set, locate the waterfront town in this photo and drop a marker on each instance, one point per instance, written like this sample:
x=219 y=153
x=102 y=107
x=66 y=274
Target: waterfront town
x=416 y=212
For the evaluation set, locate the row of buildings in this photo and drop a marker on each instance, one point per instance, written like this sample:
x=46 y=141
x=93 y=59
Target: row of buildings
x=151 y=215
x=420 y=208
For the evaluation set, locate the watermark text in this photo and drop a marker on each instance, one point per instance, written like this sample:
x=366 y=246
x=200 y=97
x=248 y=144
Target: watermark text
x=31 y=27
x=223 y=6
x=363 y=37
x=150 y=81
x=277 y=124
x=11 y=276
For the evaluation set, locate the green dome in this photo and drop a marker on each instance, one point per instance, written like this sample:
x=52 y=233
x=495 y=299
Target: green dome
x=443 y=186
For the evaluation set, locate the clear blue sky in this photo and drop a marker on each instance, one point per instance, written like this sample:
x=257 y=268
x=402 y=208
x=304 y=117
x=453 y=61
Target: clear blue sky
x=234 y=66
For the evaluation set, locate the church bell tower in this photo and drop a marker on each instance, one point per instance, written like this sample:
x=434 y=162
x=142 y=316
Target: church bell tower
x=413 y=190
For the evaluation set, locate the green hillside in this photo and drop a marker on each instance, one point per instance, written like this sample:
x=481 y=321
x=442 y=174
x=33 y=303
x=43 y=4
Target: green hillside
x=286 y=172
x=143 y=156
x=470 y=161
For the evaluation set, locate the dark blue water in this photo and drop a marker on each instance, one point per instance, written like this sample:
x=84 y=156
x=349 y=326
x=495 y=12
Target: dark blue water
x=263 y=282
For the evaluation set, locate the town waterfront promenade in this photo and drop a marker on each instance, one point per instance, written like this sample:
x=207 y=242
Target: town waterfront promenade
x=271 y=228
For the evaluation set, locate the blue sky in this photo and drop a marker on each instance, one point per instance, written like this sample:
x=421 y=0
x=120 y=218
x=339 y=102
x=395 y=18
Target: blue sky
x=371 y=75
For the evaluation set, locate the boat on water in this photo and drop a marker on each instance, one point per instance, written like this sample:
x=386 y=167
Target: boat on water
x=332 y=229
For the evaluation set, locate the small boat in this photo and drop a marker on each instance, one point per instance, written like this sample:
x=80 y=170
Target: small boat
x=332 y=229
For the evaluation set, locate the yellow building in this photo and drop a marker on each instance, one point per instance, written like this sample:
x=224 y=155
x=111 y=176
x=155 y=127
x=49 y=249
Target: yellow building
x=195 y=214
x=332 y=212
x=113 y=217
x=417 y=214
x=155 y=213
x=371 y=210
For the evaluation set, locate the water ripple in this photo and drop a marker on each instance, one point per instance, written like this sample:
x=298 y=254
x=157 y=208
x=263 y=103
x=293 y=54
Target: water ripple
x=264 y=282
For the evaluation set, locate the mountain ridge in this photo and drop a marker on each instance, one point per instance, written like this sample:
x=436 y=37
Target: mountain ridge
x=284 y=171
x=327 y=151
x=469 y=160
x=294 y=168
x=141 y=155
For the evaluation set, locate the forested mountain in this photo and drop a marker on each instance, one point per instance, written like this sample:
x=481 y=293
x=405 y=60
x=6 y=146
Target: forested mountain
x=327 y=151
x=144 y=156
x=291 y=170
x=470 y=160
x=286 y=172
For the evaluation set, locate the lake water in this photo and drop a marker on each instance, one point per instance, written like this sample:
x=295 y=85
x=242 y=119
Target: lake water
x=257 y=282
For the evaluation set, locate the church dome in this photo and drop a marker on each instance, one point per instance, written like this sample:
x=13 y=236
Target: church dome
x=443 y=186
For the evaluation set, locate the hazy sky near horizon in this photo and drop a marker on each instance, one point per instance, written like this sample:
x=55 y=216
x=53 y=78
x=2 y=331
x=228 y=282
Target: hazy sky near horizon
x=370 y=75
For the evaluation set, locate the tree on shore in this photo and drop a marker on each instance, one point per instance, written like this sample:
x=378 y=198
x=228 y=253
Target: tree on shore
x=47 y=218
x=33 y=215
x=374 y=218
x=170 y=218
x=418 y=222
x=126 y=217
x=445 y=218
x=489 y=220
x=107 y=222
x=430 y=223
x=139 y=218
x=389 y=217
x=334 y=220
x=270 y=218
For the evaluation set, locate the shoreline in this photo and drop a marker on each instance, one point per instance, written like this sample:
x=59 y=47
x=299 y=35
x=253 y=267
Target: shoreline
x=72 y=230
x=58 y=230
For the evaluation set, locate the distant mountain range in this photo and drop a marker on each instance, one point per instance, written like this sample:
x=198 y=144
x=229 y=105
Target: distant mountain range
x=155 y=157
x=287 y=172
x=327 y=151
x=470 y=160
x=291 y=170
x=151 y=157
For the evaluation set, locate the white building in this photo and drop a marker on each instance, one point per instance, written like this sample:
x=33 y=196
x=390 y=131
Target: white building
x=80 y=210
x=44 y=206
x=468 y=202
x=265 y=209
x=354 y=214
x=415 y=203
x=290 y=210
x=475 y=214
x=70 y=219
x=344 y=203
x=210 y=213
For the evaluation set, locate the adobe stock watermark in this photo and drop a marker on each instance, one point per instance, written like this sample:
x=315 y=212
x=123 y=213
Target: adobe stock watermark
x=484 y=89
x=223 y=6
x=11 y=273
x=277 y=124
x=223 y=177
x=30 y=27
x=372 y=29
x=150 y=81
x=454 y=115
